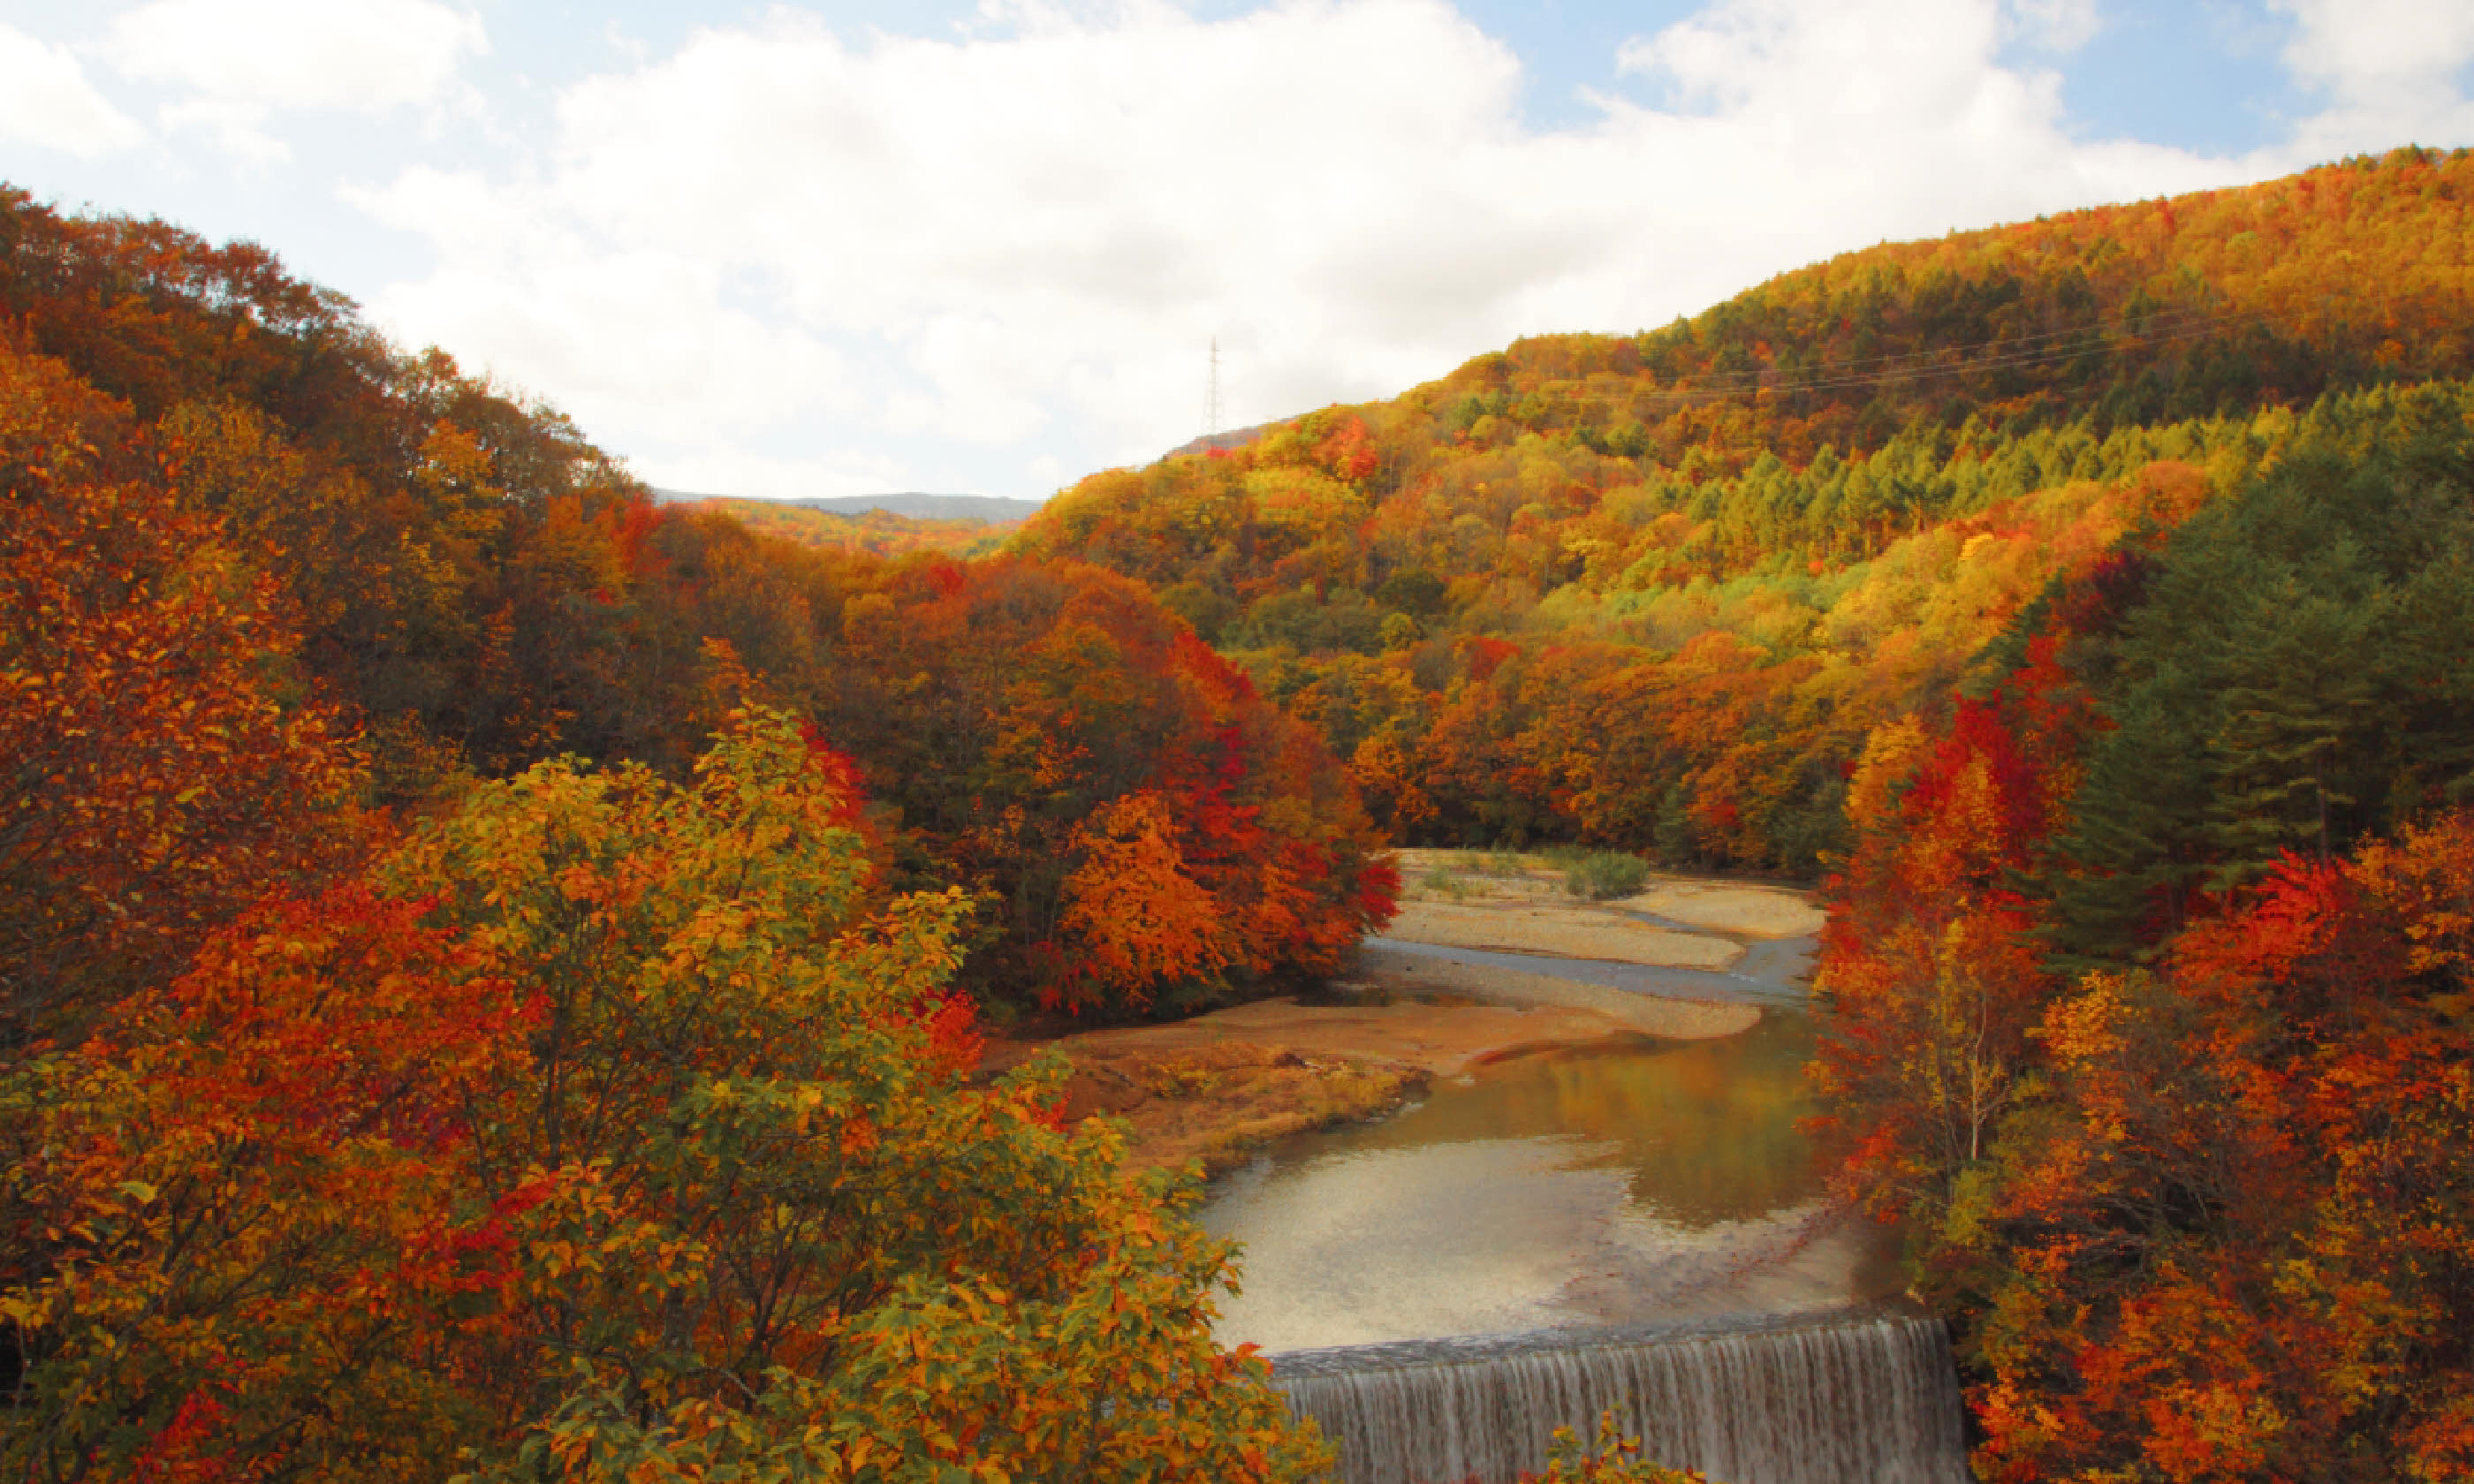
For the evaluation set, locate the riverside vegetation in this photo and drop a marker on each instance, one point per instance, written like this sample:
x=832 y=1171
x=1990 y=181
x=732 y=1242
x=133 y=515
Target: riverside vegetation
x=490 y=964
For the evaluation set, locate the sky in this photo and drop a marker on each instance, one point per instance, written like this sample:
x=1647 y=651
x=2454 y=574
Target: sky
x=856 y=247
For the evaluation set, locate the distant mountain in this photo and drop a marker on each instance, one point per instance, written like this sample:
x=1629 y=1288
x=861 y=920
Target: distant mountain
x=882 y=532
x=994 y=508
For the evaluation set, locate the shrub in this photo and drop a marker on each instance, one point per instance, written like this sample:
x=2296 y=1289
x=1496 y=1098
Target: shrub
x=1602 y=874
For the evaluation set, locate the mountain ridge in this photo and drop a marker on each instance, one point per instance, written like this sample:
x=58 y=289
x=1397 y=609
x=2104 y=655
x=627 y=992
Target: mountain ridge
x=911 y=504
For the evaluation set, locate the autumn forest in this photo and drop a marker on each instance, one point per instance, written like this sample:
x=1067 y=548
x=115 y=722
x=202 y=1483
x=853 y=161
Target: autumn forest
x=494 y=965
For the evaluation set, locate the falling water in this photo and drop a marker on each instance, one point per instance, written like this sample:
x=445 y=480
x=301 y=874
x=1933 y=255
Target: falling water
x=1849 y=1396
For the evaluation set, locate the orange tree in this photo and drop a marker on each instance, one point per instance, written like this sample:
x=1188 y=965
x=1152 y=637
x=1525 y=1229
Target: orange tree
x=164 y=764
x=618 y=1129
x=1147 y=830
x=1931 y=977
x=2236 y=1239
x=458 y=559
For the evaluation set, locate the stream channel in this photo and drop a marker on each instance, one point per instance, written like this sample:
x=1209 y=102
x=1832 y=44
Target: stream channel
x=1629 y=1181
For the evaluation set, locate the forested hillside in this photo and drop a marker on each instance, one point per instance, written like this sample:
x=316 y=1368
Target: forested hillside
x=2151 y=986
x=2090 y=602
x=1655 y=590
x=490 y=967
x=463 y=585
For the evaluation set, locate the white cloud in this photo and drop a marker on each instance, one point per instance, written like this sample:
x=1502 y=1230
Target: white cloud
x=1885 y=109
x=45 y=99
x=2388 y=67
x=1013 y=246
x=626 y=329
x=2057 y=25
x=242 y=62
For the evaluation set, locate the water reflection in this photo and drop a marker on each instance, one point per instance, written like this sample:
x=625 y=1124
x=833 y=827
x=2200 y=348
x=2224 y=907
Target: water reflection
x=1706 y=1131
x=1633 y=1181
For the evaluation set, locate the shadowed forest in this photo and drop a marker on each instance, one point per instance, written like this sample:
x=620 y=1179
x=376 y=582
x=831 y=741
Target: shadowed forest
x=491 y=966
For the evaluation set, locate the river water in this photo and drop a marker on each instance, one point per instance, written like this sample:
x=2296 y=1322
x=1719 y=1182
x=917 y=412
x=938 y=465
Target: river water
x=1632 y=1183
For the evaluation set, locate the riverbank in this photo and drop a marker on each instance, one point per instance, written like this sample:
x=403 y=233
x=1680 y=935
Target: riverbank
x=1387 y=972
x=1214 y=1087
x=1502 y=900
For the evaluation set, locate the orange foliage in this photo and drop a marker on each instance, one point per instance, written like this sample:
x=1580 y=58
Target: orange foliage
x=1134 y=907
x=1152 y=831
x=2244 y=1242
x=620 y=1126
x=1930 y=974
x=164 y=770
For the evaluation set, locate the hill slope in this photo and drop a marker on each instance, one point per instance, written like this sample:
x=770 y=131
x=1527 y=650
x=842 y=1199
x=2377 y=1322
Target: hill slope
x=1655 y=588
x=455 y=583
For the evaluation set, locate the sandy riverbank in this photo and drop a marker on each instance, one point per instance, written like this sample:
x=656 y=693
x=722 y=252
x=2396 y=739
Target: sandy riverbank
x=1745 y=911
x=1392 y=973
x=1558 y=929
x=1508 y=886
x=1213 y=1088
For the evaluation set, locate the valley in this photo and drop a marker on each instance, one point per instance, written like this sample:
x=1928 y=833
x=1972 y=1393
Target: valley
x=1944 y=778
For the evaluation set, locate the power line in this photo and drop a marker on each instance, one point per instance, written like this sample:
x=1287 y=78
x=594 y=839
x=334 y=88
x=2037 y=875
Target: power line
x=2046 y=357
x=1825 y=375
x=2170 y=320
x=2158 y=328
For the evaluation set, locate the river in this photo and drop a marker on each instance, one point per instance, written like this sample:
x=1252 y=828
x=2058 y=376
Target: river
x=1633 y=1181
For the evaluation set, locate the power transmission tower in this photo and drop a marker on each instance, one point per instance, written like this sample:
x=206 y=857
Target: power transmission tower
x=1211 y=401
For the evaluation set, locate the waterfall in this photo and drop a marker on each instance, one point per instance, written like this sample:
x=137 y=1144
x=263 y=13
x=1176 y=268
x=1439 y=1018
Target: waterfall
x=1843 y=1396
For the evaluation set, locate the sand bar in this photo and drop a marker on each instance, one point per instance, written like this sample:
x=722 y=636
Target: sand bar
x=1749 y=911
x=1649 y=1015
x=1213 y=1088
x=1575 y=931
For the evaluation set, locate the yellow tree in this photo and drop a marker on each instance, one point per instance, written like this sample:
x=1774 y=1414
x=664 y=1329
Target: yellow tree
x=622 y=1131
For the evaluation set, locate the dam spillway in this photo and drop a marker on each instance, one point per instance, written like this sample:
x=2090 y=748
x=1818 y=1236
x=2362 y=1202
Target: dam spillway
x=1859 y=1395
